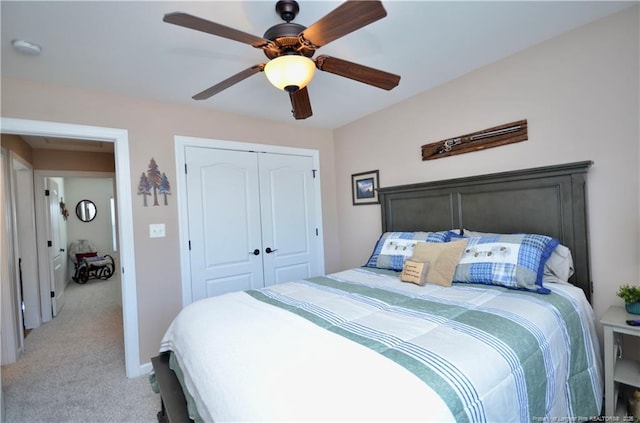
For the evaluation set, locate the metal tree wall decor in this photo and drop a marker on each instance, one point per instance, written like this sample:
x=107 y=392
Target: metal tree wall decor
x=154 y=182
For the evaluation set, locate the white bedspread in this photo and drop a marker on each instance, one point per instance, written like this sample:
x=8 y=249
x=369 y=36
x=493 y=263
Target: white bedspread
x=361 y=345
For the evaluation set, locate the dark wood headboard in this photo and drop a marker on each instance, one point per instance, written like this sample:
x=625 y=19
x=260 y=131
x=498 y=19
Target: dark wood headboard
x=548 y=200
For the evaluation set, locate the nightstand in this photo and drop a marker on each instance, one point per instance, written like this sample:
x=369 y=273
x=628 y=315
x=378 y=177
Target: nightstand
x=618 y=370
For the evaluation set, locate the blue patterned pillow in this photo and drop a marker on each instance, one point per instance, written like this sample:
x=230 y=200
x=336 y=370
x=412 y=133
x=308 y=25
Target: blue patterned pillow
x=393 y=248
x=513 y=261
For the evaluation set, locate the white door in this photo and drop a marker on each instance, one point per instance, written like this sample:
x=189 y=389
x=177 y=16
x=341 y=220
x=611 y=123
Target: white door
x=252 y=220
x=224 y=221
x=28 y=248
x=56 y=251
x=289 y=230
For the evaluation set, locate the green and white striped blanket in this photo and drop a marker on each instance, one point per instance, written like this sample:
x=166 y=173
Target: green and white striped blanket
x=361 y=345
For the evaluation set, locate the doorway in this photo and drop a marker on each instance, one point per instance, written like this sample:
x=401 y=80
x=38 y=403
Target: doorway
x=96 y=183
x=120 y=138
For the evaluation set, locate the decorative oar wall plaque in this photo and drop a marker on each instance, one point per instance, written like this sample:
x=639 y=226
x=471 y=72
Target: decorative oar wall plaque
x=493 y=137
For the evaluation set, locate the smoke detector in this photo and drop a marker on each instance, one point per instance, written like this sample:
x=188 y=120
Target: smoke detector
x=26 y=47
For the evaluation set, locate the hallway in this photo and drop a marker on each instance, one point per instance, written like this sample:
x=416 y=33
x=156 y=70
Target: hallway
x=73 y=370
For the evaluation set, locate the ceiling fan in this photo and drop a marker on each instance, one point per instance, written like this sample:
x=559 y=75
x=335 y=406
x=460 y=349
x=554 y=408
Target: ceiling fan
x=290 y=46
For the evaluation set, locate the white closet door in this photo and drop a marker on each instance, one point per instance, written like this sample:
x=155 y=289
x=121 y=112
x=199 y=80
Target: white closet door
x=224 y=221
x=289 y=222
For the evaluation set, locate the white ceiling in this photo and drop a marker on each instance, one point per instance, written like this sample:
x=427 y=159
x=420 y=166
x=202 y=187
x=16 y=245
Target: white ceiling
x=125 y=48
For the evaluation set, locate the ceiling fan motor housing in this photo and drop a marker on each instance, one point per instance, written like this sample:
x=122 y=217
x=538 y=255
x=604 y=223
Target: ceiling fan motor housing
x=286 y=36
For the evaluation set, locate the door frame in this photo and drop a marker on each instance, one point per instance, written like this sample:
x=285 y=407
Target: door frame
x=180 y=143
x=120 y=138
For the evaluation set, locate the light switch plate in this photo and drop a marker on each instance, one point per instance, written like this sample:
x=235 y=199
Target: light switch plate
x=156 y=230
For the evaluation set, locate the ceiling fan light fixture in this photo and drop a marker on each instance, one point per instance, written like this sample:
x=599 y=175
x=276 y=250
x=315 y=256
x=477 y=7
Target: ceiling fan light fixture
x=290 y=72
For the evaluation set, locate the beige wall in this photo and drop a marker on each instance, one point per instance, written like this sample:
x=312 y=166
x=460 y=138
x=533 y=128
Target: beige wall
x=73 y=160
x=580 y=95
x=47 y=159
x=151 y=127
x=18 y=146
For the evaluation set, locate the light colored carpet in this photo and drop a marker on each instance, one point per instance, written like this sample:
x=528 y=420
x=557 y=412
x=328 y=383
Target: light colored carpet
x=72 y=369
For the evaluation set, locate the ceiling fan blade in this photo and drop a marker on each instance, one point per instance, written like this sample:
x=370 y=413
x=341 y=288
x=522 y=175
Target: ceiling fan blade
x=300 y=104
x=360 y=73
x=193 y=22
x=240 y=76
x=346 y=18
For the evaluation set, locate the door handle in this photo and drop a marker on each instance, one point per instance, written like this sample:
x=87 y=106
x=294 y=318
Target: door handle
x=269 y=250
x=255 y=252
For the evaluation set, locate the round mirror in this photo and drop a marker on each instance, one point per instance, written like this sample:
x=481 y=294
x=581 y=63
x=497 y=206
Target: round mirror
x=86 y=210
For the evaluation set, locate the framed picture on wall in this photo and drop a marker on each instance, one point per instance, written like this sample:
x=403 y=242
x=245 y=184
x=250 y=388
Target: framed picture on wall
x=364 y=187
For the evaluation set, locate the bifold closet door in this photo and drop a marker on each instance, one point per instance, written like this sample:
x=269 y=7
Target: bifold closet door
x=252 y=219
x=224 y=221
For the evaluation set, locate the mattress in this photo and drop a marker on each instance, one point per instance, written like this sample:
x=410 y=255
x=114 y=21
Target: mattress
x=362 y=345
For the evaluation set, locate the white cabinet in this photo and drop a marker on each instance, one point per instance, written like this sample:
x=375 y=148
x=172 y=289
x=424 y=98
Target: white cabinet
x=618 y=369
x=253 y=219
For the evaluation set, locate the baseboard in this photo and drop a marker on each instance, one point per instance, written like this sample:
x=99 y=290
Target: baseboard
x=145 y=368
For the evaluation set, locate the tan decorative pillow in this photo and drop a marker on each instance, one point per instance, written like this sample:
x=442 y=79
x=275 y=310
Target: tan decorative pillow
x=443 y=257
x=414 y=272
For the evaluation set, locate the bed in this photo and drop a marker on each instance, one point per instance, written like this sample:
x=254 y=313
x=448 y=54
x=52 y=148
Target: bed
x=363 y=344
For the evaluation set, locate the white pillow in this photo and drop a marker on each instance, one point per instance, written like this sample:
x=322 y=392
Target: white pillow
x=560 y=264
